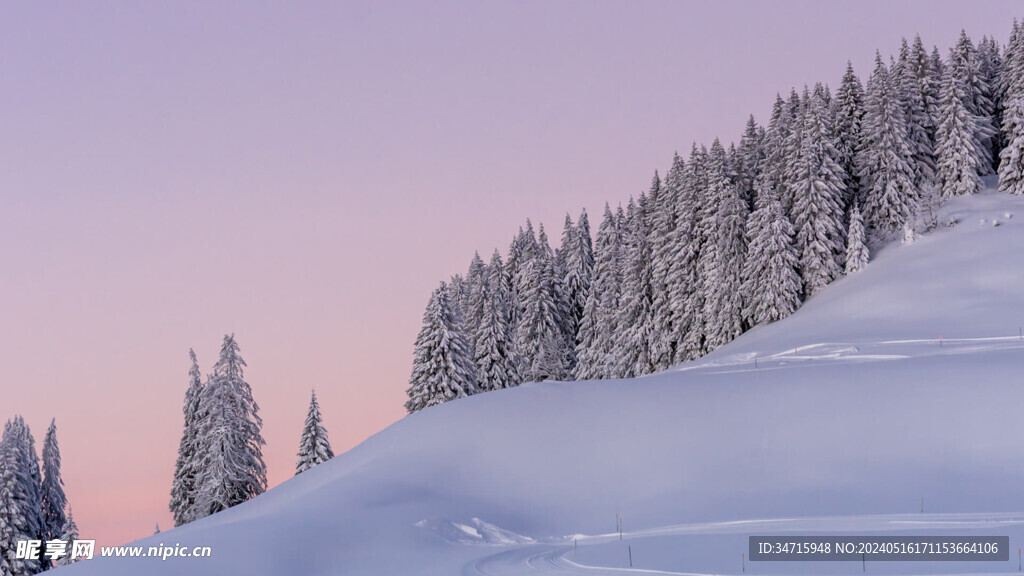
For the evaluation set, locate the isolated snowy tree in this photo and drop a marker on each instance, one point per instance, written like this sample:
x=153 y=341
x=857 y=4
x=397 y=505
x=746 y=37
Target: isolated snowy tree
x=886 y=176
x=14 y=525
x=848 y=114
x=190 y=449
x=68 y=533
x=314 y=447
x=771 y=282
x=856 y=242
x=817 y=210
x=442 y=368
x=494 y=357
x=53 y=499
x=232 y=468
x=959 y=152
x=1011 y=163
x=598 y=322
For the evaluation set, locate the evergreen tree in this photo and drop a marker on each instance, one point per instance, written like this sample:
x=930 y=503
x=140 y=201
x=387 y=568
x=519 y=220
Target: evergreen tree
x=18 y=435
x=1011 y=165
x=819 y=193
x=540 y=339
x=68 y=533
x=635 y=319
x=856 y=243
x=908 y=84
x=578 y=266
x=596 y=344
x=965 y=66
x=232 y=468
x=750 y=160
x=186 y=468
x=314 y=447
x=14 y=501
x=771 y=282
x=662 y=231
x=494 y=356
x=959 y=151
x=848 y=107
x=476 y=277
x=691 y=233
x=53 y=498
x=887 y=179
x=724 y=264
x=442 y=368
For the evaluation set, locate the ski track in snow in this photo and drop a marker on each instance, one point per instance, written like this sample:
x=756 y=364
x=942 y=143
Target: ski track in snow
x=553 y=557
x=850 y=352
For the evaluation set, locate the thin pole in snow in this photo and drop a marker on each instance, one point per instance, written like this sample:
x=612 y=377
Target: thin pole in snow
x=1020 y=333
x=573 y=547
x=630 y=556
x=940 y=340
x=744 y=557
x=922 y=504
x=863 y=563
x=1018 y=559
x=755 y=362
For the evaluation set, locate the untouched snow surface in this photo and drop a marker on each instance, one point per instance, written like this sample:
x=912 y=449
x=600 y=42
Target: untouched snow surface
x=852 y=414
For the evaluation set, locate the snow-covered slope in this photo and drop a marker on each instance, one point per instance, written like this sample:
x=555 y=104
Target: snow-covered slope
x=851 y=415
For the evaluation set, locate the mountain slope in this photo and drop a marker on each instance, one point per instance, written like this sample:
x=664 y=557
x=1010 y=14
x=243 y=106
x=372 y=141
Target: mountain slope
x=851 y=415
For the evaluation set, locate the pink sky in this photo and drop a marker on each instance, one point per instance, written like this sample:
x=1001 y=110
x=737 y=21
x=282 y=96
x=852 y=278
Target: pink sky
x=303 y=177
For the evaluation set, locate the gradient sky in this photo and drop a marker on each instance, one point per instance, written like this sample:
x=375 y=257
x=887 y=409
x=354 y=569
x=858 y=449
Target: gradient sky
x=303 y=174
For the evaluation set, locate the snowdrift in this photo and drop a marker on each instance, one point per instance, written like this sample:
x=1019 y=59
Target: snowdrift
x=900 y=383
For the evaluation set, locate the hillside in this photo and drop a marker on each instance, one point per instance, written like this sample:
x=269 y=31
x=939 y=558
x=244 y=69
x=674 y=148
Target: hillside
x=852 y=414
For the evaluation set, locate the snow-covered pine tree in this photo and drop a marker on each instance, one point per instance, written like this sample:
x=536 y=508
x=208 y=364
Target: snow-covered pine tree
x=14 y=500
x=886 y=176
x=578 y=251
x=53 y=499
x=775 y=139
x=819 y=192
x=990 y=66
x=190 y=455
x=750 y=159
x=68 y=533
x=496 y=365
x=18 y=434
x=473 y=310
x=597 y=326
x=1011 y=158
x=232 y=468
x=685 y=272
x=442 y=367
x=662 y=231
x=965 y=65
x=771 y=282
x=540 y=338
x=635 y=320
x=915 y=114
x=314 y=446
x=797 y=110
x=959 y=152
x=724 y=264
x=848 y=115
x=856 y=242
x=929 y=84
